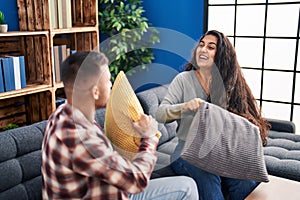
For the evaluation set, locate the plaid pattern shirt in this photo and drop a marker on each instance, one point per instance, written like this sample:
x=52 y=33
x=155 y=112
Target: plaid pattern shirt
x=78 y=161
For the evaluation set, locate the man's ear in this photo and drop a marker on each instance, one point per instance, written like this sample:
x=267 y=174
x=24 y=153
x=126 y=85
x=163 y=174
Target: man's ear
x=95 y=92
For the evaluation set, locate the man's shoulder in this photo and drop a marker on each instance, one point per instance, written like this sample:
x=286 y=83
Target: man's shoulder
x=60 y=121
x=61 y=115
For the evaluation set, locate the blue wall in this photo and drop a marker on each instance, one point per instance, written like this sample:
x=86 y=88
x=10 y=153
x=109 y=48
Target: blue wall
x=180 y=25
x=10 y=10
x=183 y=16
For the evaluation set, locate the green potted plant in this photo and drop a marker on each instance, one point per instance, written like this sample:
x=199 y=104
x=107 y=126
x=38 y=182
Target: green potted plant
x=3 y=24
x=129 y=35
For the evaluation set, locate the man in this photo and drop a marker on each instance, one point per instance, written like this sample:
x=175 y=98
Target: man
x=78 y=161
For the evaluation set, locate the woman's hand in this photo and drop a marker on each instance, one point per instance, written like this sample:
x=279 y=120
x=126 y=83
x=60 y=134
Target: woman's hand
x=146 y=126
x=192 y=105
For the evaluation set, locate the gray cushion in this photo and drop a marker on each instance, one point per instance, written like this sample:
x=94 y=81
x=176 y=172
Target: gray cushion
x=8 y=147
x=282 y=155
x=225 y=144
x=29 y=190
x=150 y=100
x=23 y=139
x=100 y=116
x=17 y=192
x=20 y=162
x=10 y=173
x=282 y=125
x=30 y=164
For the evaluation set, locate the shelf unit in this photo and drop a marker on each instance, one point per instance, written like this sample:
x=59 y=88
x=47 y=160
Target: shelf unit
x=35 y=41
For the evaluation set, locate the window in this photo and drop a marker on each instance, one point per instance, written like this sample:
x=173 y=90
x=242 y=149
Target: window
x=266 y=38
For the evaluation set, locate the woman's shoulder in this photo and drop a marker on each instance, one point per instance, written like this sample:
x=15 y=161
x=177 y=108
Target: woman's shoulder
x=182 y=79
x=186 y=73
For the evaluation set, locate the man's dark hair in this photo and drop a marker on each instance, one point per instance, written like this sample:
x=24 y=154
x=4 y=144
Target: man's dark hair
x=82 y=67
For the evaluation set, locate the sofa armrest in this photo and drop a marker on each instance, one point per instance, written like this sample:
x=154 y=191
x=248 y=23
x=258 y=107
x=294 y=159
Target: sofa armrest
x=282 y=125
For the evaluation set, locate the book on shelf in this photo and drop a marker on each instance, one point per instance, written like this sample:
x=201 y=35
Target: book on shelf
x=62 y=50
x=60 y=53
x=17 y=76
x=60 y=14
x=53 y=13
x=22 y=71
x=8 y=73
x=13 y=73
x=67 y=13
x=1 y=78
x=63 y=13
x=56 y=63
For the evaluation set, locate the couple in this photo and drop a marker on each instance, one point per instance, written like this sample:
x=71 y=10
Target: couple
x=78 y=160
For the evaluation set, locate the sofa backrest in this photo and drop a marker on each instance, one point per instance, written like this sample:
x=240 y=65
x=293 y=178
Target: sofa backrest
x=100 y=116
x=20 y=162
x=150 y=100
x=282 y=155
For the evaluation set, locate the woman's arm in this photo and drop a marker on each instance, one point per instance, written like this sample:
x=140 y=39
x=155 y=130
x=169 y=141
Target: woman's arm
x=171 y=106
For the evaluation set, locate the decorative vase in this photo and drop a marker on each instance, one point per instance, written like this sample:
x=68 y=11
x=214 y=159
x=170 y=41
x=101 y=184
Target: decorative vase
x=3 y=28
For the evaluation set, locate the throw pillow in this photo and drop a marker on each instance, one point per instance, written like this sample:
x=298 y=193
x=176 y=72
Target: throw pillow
x=122 y=109
x=225 y=144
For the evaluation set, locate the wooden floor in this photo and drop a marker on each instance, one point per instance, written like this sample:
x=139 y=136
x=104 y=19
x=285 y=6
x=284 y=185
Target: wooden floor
x=276 y=189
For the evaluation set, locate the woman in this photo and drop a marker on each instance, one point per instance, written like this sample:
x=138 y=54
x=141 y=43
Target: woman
x=212 y=75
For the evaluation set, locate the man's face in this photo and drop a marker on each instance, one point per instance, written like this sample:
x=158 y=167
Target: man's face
x=104 y=86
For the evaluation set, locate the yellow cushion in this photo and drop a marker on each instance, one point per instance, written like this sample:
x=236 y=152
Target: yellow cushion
x=122 y=109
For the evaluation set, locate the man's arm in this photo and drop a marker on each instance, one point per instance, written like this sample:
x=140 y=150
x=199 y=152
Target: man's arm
x=94 y=157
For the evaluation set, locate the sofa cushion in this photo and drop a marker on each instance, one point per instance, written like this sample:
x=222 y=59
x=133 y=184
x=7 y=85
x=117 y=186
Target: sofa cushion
x=100 y=116
x=282 y=155
x=282 y=125
x=20 y=162
x=8 y=147
x=150 y=100
x=23 y=139
x=17 y=192
x=10 y=173
x=226 y=144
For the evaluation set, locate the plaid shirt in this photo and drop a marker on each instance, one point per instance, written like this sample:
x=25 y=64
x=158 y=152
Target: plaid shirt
x=78 y=161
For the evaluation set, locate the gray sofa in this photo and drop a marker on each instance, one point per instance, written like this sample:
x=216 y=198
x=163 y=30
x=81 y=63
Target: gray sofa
x=20 y=151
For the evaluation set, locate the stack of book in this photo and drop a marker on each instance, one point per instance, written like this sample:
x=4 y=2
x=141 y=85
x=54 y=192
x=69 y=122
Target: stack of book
x=12 y=73
x=60 y=53
x=60 y=14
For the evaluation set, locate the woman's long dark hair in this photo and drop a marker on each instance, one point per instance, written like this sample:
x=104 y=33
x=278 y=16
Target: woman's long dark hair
x=229 y=88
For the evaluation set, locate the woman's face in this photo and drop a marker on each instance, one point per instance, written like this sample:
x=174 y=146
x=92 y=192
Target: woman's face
x=206 y=51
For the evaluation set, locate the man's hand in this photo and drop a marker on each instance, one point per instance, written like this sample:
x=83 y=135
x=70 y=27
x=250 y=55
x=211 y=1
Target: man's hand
x=192 y=105
x=146 y=126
